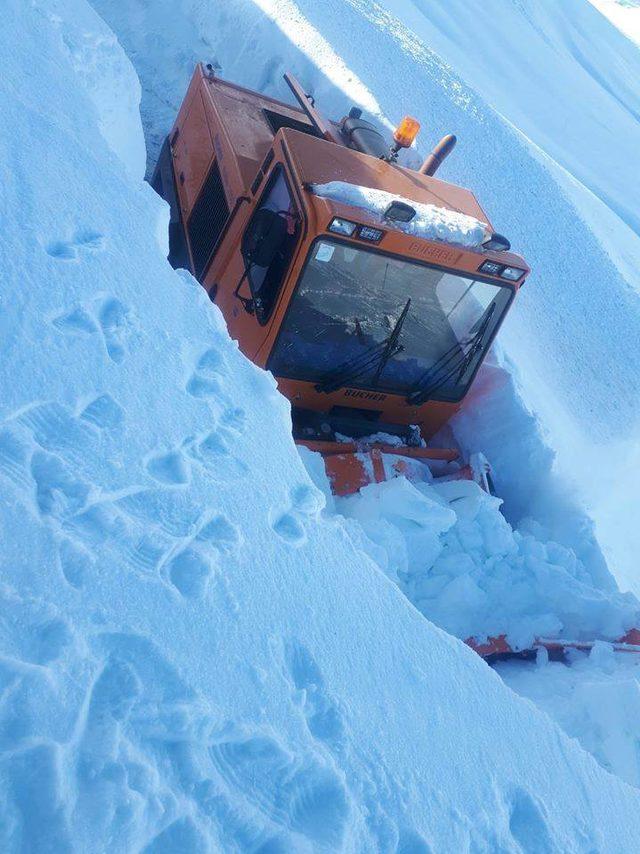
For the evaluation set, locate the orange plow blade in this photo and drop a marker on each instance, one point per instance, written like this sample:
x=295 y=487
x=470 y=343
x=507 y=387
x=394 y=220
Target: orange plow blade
x=350 y=467
x=498 y=648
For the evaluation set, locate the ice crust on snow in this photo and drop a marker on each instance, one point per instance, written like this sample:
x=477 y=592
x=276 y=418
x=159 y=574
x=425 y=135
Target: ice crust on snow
x=430 y=222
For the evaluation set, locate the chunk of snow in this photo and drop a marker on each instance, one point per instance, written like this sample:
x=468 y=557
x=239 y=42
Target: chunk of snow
x=466 y=570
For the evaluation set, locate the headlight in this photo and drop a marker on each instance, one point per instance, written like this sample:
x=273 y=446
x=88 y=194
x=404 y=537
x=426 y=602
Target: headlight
x=512 y=274
x=491 y=267
x=375 y=235
x=342 y=226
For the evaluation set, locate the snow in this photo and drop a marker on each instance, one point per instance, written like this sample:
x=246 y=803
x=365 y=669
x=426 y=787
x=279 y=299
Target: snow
x=430 y=221
x=562 y=388
x=548 y=137
x=450 y=550
x=192 y=656
x=596 y=699
x=624 y=14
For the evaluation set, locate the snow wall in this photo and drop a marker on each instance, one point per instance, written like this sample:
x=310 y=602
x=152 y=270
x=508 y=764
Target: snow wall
x=193 y=659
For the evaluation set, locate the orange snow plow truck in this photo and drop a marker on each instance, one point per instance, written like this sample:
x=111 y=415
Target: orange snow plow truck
x=372 y=291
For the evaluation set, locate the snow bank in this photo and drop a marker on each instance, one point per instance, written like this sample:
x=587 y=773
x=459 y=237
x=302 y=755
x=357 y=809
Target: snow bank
x=191 y=658
x=430 y=222
x=549 y=145
x=108 y=79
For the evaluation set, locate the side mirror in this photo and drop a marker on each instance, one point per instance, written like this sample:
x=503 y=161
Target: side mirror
x=264 y=237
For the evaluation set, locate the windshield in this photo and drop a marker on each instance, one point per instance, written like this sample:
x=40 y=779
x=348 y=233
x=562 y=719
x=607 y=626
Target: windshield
x=363 y=319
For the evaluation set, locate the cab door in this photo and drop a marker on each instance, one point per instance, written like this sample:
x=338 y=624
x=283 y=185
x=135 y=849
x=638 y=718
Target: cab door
x=250 y=282
x=193 y=155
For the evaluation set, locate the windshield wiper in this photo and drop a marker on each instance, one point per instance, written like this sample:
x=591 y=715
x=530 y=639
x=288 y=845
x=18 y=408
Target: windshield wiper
x=454 y=361
x=376 y=357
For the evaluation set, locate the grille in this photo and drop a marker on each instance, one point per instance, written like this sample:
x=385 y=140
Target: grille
x=207 y=220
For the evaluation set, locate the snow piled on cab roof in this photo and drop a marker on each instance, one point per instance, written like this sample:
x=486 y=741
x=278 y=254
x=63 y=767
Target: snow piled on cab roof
x=431 y=222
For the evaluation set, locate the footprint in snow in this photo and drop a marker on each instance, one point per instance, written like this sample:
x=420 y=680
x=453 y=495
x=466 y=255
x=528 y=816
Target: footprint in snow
x=104 y=412
x=112 y=320
x=190 y=572
x=528 y=824
x=171 y=468
x=112 y=698
x=70 y=250
x=220 y=533
x=78 y=321
x=306 y=502
x=213 y=452
x=290 y=529
x=323 y=717
x=59 y=494
x=203 y=387
x=302 y=795
x=114 y=323
x=211 y=362
x=207 y=379
x=75 y=562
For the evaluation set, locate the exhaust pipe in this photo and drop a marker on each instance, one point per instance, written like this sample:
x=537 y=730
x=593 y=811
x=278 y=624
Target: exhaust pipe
x=442 y=150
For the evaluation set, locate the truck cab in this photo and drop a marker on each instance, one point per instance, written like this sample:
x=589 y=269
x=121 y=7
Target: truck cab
x=370 y=290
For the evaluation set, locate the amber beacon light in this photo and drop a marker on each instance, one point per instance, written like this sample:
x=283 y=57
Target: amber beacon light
x=406 y=132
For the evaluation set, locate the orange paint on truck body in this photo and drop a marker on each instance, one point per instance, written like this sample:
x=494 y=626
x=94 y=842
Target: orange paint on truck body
x=230 y=149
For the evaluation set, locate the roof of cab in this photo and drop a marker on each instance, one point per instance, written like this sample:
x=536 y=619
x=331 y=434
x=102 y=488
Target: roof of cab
x=250 y=121
x=318 y=161
x=248 y=118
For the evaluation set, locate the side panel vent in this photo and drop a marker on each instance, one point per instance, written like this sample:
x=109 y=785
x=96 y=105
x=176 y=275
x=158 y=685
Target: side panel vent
x=278 y=120
x=207 y=221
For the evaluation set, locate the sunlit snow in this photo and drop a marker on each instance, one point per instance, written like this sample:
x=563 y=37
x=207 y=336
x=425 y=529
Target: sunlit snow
x=200 y=650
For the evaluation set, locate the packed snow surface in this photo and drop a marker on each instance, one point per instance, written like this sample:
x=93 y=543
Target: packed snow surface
x=430 y=221
x=193 y=658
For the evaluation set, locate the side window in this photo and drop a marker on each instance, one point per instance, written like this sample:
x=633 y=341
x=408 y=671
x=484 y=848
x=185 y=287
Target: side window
x=265 y=281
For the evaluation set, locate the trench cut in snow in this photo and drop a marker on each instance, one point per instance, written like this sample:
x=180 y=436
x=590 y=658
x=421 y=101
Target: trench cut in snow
x=430 y=221
x=191 y=657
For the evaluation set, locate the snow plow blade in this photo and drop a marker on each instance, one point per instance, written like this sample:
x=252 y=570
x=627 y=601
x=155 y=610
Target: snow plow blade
x=498 y=649
x=350 y=466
